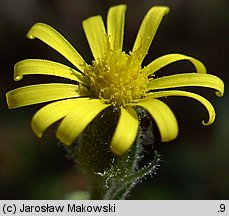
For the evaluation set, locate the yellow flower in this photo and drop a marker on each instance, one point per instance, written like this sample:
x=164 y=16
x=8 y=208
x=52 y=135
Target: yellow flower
x=114 y=78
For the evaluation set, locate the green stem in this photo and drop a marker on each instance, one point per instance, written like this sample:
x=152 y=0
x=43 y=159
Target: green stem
x=111 y=177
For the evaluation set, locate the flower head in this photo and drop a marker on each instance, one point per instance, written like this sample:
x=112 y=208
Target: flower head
x=114 y=78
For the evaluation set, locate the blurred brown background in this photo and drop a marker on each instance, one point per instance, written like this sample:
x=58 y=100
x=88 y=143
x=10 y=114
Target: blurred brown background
x=195 y=165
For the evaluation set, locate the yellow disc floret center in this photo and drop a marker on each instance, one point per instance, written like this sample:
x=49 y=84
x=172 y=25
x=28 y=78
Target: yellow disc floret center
x=117 y=78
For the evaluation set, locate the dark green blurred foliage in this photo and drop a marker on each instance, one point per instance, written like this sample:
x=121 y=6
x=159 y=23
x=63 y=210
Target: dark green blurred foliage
x=195 y=165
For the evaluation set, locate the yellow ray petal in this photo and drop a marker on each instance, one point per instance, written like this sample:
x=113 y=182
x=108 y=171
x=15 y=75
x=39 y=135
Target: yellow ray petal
x=205 y=102
x=163 y=116
x=77 y=120
x=125 y=132
x=148 y=29
x=45 y=67
x=50 y=36
x=96 y=35
x=51 y=113
x=170 y=58
x=34 y=94
x=115 y=26
x=188 y=79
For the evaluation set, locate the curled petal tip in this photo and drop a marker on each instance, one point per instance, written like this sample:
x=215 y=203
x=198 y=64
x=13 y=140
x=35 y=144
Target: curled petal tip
x=220 y=89
x=210 y=121
x=219 y=93
x=18 y=78
x=30 y=36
